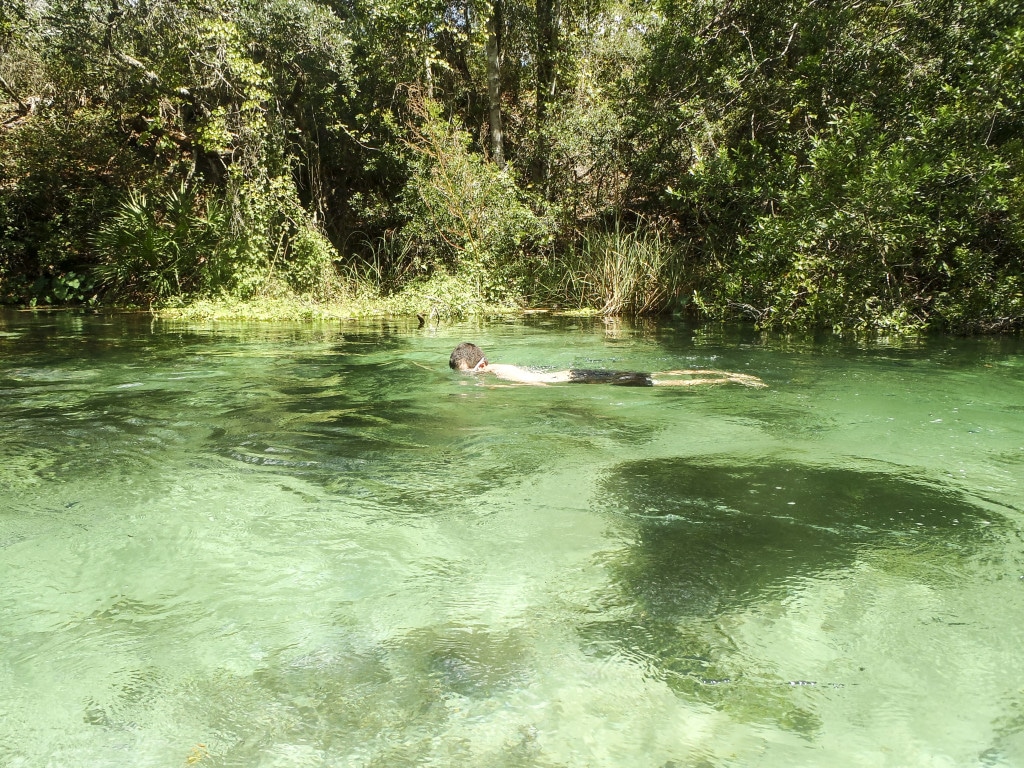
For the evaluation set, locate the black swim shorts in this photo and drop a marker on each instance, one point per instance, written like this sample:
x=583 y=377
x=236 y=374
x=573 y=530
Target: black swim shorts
x=615 y=378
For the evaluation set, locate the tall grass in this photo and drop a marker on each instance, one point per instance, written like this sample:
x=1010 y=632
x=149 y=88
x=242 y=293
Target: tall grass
x=381 y=266
x=615 y=271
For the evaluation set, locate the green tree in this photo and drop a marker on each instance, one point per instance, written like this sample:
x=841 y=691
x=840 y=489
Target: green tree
x=834 y=164
x=208 y=94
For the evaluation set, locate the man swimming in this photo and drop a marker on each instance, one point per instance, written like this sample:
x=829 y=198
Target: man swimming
x=469 y=358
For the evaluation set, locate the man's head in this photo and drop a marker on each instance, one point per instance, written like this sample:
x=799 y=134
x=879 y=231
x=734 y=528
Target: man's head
x=467 y=357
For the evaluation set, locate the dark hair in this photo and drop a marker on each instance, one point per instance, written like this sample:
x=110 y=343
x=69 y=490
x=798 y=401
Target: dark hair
x=465 y=357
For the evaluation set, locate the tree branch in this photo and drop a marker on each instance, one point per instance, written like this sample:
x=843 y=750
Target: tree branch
x=23 y=108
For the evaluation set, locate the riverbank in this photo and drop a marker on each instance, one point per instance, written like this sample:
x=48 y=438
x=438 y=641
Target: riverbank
x=439 y=298
x=280 y=309
x=443 y=297
x=284 y=309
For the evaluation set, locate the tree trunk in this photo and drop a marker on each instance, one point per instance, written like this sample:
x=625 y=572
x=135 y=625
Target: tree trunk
x=23 y=108
x=547 y=46
x=495 y=24
x=428 y=71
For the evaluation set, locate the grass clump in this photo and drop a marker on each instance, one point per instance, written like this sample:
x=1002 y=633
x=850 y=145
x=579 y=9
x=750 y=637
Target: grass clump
x=614 y=271
x=440 y=297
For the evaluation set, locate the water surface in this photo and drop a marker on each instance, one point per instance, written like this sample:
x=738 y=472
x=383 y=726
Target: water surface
x=314 y=545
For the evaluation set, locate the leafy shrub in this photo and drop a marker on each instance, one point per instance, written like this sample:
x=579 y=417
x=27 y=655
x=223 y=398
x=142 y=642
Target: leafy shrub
x=157 y=246
x=876 y=233
x=467 y=214
x=277 y=244
x=51 y=199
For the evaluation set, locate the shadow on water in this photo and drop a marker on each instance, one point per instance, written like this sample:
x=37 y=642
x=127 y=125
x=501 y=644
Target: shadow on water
x=715 y=538
x=387 y=703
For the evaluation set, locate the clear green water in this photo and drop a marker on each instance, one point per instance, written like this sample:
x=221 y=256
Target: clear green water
x=315 y=546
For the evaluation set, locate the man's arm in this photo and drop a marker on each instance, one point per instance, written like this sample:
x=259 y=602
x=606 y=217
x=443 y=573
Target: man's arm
x=721 y=377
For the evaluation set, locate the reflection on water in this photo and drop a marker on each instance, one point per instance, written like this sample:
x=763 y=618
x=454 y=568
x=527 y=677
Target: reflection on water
x=711 y=536
x=713 y=539
x=284 y=545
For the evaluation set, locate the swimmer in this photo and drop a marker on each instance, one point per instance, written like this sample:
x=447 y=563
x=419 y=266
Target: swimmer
x=469 y=358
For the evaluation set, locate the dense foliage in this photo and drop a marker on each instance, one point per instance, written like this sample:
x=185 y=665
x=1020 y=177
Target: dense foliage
x=803 y=163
